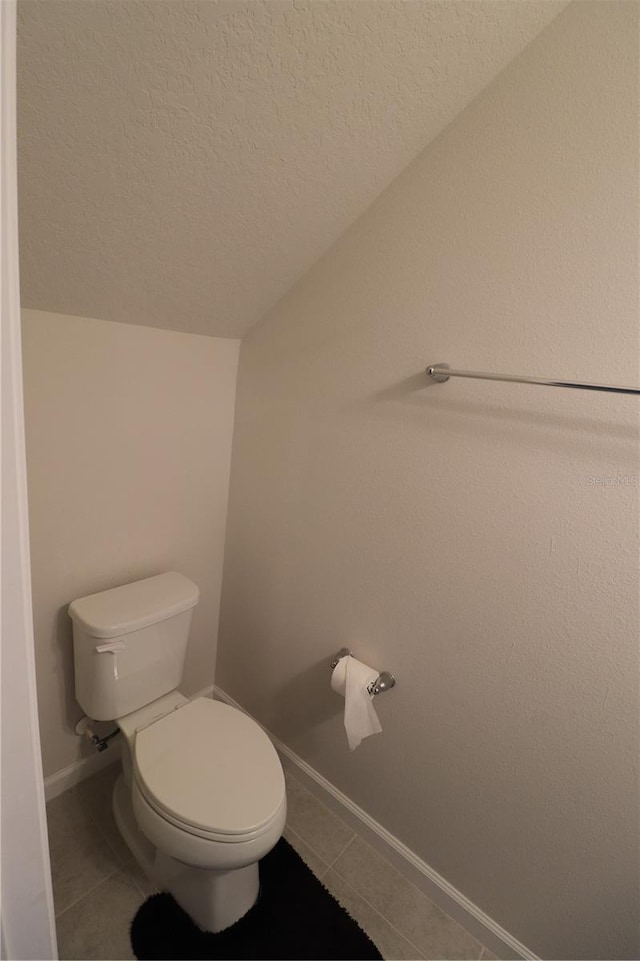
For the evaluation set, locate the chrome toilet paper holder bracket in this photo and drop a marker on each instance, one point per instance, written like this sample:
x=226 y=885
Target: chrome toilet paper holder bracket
x=384 y=682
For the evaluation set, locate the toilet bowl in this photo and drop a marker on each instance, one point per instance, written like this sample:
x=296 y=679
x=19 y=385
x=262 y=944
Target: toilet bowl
x=201 y=798
x=206 y=791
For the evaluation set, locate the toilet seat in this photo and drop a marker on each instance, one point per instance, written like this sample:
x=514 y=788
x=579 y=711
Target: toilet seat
x=210 y=771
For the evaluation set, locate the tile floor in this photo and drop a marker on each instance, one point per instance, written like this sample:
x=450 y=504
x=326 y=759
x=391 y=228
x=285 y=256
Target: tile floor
x=98 y=887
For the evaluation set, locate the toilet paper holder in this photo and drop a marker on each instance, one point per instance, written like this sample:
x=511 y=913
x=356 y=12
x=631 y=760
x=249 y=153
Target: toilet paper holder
x=384 y=681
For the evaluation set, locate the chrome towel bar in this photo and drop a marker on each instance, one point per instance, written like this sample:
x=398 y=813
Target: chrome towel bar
x=440 y=373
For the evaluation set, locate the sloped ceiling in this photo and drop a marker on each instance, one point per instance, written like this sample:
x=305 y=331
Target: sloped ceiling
x=183 y=162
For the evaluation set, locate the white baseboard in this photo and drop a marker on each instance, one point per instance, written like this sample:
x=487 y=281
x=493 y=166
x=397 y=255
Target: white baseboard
x=205 y=692
x=79 y=770
x=424 y=877
x=86 y=767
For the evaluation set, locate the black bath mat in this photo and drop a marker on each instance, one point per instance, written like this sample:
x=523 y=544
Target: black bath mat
x=294 y=917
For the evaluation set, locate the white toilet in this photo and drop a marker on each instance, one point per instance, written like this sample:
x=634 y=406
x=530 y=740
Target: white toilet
x=202 y=796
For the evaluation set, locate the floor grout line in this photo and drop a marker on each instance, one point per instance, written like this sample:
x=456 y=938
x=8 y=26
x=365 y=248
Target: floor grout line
x=91 y=812
x=135 y=883
x=105 y=838
x=87 y=893
x=98 y=824
x=331 y=867
x=355 y=835
x=397 y=930
x=123 y=864
x=321 y=857
x=121 y=867
x=347 y=845
x=388 y=920
x=380 y=914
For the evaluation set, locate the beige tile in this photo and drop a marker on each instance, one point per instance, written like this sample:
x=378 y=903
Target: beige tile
x=80 y=856
x=390 y=943
x=140 y=879
x=314 y=823
x=96 y=795
x=98 y=925
x=407 y=908
x=313 y=861
x=97 y=790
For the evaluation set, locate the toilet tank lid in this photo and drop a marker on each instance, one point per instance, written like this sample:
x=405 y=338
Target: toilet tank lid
x=134 y=606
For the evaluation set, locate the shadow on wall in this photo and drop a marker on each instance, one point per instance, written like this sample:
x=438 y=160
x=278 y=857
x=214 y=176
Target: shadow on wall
x=65 y=677
x=304 y=703
x=407 y=386
x=552 y=429
x=63 y=643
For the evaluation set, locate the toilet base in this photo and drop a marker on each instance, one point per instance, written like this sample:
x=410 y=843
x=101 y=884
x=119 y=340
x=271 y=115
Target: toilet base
x=213 y=899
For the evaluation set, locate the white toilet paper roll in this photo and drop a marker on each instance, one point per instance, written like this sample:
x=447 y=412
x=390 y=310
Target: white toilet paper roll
x=350 y=678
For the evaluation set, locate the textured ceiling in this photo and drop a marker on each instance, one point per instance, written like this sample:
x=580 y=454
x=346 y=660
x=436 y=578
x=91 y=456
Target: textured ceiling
x=183 y=162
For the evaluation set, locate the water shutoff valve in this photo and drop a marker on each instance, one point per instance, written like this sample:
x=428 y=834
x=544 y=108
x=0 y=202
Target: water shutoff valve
x=84 y=728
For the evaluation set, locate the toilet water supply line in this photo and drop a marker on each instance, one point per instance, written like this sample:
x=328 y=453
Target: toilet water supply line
x=83 y=728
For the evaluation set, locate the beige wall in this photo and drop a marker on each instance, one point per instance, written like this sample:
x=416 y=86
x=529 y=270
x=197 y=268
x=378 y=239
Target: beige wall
x=128 y=448
x=455 y=534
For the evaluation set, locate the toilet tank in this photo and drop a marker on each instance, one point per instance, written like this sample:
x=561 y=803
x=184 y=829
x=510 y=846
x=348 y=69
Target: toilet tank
x=129 y=643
